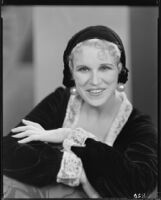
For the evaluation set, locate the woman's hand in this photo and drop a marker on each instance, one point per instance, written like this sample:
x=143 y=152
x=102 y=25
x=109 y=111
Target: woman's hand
x=89 y=190
x=35 y=132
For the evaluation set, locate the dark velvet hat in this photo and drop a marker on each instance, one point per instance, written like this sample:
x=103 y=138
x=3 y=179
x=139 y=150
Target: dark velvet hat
x=91 y=32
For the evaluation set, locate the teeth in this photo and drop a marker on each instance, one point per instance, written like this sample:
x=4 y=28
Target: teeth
x=95 y=91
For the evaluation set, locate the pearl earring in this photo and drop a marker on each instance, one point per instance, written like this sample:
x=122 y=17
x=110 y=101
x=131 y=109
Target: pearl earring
x=121 y=87
x=73 y=91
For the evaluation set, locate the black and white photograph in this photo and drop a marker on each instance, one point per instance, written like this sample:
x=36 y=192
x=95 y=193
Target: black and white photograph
x=80 y=101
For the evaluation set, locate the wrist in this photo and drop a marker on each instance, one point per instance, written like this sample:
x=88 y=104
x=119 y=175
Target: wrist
x=67 y=131
x=55 y=135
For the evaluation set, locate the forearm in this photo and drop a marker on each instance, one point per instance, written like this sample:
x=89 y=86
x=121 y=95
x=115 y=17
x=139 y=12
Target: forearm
x=119 y=175
x=56 y=135
x=90 y=191
x=35 y=164
x=87 y=187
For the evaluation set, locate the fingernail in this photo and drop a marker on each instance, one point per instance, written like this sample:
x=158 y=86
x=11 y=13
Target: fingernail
x=23 y=120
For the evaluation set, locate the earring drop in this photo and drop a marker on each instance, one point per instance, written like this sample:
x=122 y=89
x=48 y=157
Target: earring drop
x=121 y=87
x=73 y=91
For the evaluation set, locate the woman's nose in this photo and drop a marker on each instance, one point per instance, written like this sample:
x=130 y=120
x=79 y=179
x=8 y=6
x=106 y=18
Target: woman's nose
x=95 y=79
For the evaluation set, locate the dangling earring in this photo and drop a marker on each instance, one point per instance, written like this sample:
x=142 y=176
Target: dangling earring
x=120 y=87
x=73 y=91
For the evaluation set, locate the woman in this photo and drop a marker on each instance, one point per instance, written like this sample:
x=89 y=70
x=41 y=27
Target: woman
x=88 y=133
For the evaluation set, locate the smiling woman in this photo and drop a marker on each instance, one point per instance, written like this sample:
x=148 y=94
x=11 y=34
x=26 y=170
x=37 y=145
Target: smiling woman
x=87 y=135
x=95 y=71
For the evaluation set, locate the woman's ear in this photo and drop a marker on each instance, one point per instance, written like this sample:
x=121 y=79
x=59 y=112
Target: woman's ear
x=71 y=65
x=119 y=67
x=71 y=68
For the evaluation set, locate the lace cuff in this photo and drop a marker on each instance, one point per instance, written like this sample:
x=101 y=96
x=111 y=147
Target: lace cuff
x=70 y=170
x=77 y=137
x=71 y=166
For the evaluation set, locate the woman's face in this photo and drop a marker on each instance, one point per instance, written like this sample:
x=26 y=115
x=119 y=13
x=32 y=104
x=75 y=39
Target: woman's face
x=95 y=72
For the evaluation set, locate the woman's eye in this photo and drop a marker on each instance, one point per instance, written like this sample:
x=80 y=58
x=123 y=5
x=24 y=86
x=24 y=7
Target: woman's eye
x=83 y=69
x=105 y=67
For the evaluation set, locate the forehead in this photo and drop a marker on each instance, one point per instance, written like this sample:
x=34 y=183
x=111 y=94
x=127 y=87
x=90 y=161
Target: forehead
x=95 y=48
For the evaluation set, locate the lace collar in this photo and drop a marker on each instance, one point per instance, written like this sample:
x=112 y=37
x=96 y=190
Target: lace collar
x=73 y=111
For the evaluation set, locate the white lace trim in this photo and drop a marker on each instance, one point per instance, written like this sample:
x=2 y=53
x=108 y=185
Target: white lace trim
x=120 y=120
x=73 y=111
x=77 y=137
x=70 y=169
x=70 y=160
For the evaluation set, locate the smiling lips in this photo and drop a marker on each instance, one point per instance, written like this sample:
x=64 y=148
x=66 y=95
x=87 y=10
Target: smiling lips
x=95 y=92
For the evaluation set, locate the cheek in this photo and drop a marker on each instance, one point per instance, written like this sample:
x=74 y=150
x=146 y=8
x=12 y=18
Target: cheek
x=110 y=77
x=80 y=79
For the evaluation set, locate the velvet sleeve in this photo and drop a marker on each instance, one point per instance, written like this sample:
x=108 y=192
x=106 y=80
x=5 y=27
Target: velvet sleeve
x=37 y=163
x=128 y=168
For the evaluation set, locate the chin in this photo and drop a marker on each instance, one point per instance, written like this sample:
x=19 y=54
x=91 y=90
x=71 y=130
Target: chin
x=96 y=103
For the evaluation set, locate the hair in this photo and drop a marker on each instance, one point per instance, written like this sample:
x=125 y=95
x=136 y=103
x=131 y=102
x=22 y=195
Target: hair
x=84 y=37
x=97 y=43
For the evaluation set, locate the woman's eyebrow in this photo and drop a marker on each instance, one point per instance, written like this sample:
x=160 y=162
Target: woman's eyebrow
x=107 y=64
x=79 y=66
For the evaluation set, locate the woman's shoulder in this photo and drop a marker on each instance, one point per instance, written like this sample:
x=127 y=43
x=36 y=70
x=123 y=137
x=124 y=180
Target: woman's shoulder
x=140 y=122
x=139 y=116
x=60 y=94
x=139 y=127
x=53 y=101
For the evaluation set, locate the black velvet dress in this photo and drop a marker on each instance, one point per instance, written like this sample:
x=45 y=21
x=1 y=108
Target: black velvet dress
x=126 y=169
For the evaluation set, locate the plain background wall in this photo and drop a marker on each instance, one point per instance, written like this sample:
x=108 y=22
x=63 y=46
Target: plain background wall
x=18 y=91
x=143 y=26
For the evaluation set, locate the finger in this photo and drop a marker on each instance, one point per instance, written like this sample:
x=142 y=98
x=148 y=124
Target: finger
x=34 y=124
x=23 y=134
x=28 y=139
x=28 y=122
x=22 y=128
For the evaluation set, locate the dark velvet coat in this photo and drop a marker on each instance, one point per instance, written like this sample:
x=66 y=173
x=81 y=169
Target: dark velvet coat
x=126 y=169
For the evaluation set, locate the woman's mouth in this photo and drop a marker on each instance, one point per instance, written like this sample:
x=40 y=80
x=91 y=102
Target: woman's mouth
x=95 y=92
